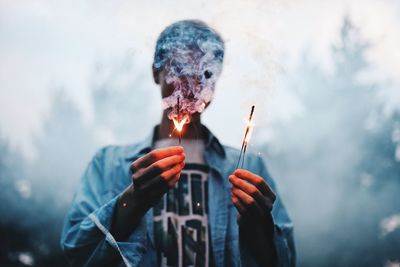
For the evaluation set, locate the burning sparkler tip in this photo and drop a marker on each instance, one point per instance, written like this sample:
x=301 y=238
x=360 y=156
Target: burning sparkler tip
x=246 y=139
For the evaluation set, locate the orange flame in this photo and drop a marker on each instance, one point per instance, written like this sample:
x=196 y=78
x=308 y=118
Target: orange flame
x=249 y=130
x=179 y=124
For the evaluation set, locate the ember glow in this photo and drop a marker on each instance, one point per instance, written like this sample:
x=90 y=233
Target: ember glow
x=180 y=123
x=179 y=120
x=249 y=130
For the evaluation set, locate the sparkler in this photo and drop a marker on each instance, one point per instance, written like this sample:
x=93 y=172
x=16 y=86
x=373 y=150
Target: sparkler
x=246 y=139
x=179 y=121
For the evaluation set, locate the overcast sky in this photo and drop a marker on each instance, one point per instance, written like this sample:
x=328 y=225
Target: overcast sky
x=55 y=45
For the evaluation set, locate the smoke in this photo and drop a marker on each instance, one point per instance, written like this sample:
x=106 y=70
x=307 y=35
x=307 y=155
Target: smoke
x=191 y=54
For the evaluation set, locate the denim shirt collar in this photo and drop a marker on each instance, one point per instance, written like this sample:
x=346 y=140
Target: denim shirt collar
x=212 y=145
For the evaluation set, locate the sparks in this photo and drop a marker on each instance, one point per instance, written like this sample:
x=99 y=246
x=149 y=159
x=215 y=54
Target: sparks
x=179 y=124
x=180 y=121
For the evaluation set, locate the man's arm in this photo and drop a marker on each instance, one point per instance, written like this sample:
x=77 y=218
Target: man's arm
x=83 y=237
x=278 y=226
x=93 y=220
x=254 y=199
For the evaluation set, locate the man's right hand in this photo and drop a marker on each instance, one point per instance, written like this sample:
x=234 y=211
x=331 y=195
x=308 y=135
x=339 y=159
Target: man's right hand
x=155 y=173
x=152 y=176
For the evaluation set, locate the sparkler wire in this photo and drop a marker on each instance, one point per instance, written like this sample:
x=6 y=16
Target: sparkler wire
x=244 y=143
x=179 y=121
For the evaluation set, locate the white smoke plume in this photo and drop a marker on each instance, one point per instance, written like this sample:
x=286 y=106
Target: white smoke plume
x=191 y=55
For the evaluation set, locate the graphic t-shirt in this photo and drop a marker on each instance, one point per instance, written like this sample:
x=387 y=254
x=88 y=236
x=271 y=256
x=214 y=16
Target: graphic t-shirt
x=181 y=229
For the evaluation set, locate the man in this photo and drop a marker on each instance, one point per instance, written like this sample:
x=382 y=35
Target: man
x=158 y=204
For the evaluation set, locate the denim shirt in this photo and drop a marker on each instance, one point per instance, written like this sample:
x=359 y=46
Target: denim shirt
x=86 y=239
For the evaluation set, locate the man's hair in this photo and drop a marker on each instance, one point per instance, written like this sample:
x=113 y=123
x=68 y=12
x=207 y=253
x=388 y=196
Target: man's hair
x=188 y=35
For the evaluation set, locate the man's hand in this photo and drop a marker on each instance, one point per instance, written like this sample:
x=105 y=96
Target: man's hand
x=254 y=199
x=155 y=173
x=252 y=196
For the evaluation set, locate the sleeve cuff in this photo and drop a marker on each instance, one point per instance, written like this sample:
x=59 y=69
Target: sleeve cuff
x=131 y=250
x=284 y=257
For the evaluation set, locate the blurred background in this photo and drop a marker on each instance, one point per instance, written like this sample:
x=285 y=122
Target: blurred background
x=324 y=76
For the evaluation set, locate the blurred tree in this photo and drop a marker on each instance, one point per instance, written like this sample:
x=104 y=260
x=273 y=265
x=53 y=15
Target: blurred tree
x=339 y=158
x=28 y=233
x=37 y=194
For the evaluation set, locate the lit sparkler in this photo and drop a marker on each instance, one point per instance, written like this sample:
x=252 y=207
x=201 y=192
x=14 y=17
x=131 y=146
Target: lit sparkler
x=179 y=121
x=246 y=138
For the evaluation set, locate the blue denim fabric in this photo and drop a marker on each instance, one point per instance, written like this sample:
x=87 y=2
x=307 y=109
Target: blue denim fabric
x=86 y=239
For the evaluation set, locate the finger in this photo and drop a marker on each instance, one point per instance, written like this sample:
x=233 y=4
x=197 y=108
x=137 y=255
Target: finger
x=155 y=188
x=250 y=204
x=174 y=179
x=158 y=167
x=237 y=203
x=154 y=156
x=160 y=184
x=168 y=175
x=257 y=180
x=240 y=206
x=248 y=188
x=160 y=180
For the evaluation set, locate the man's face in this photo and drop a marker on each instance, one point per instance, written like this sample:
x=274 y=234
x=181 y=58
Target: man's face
x=167 y=89
x=187 y=80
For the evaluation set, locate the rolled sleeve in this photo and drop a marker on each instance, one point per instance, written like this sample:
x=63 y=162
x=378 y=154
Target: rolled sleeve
x=86 y=239
x=284 y=244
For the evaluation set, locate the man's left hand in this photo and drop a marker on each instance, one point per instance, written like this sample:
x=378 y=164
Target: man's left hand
x=254 y=199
